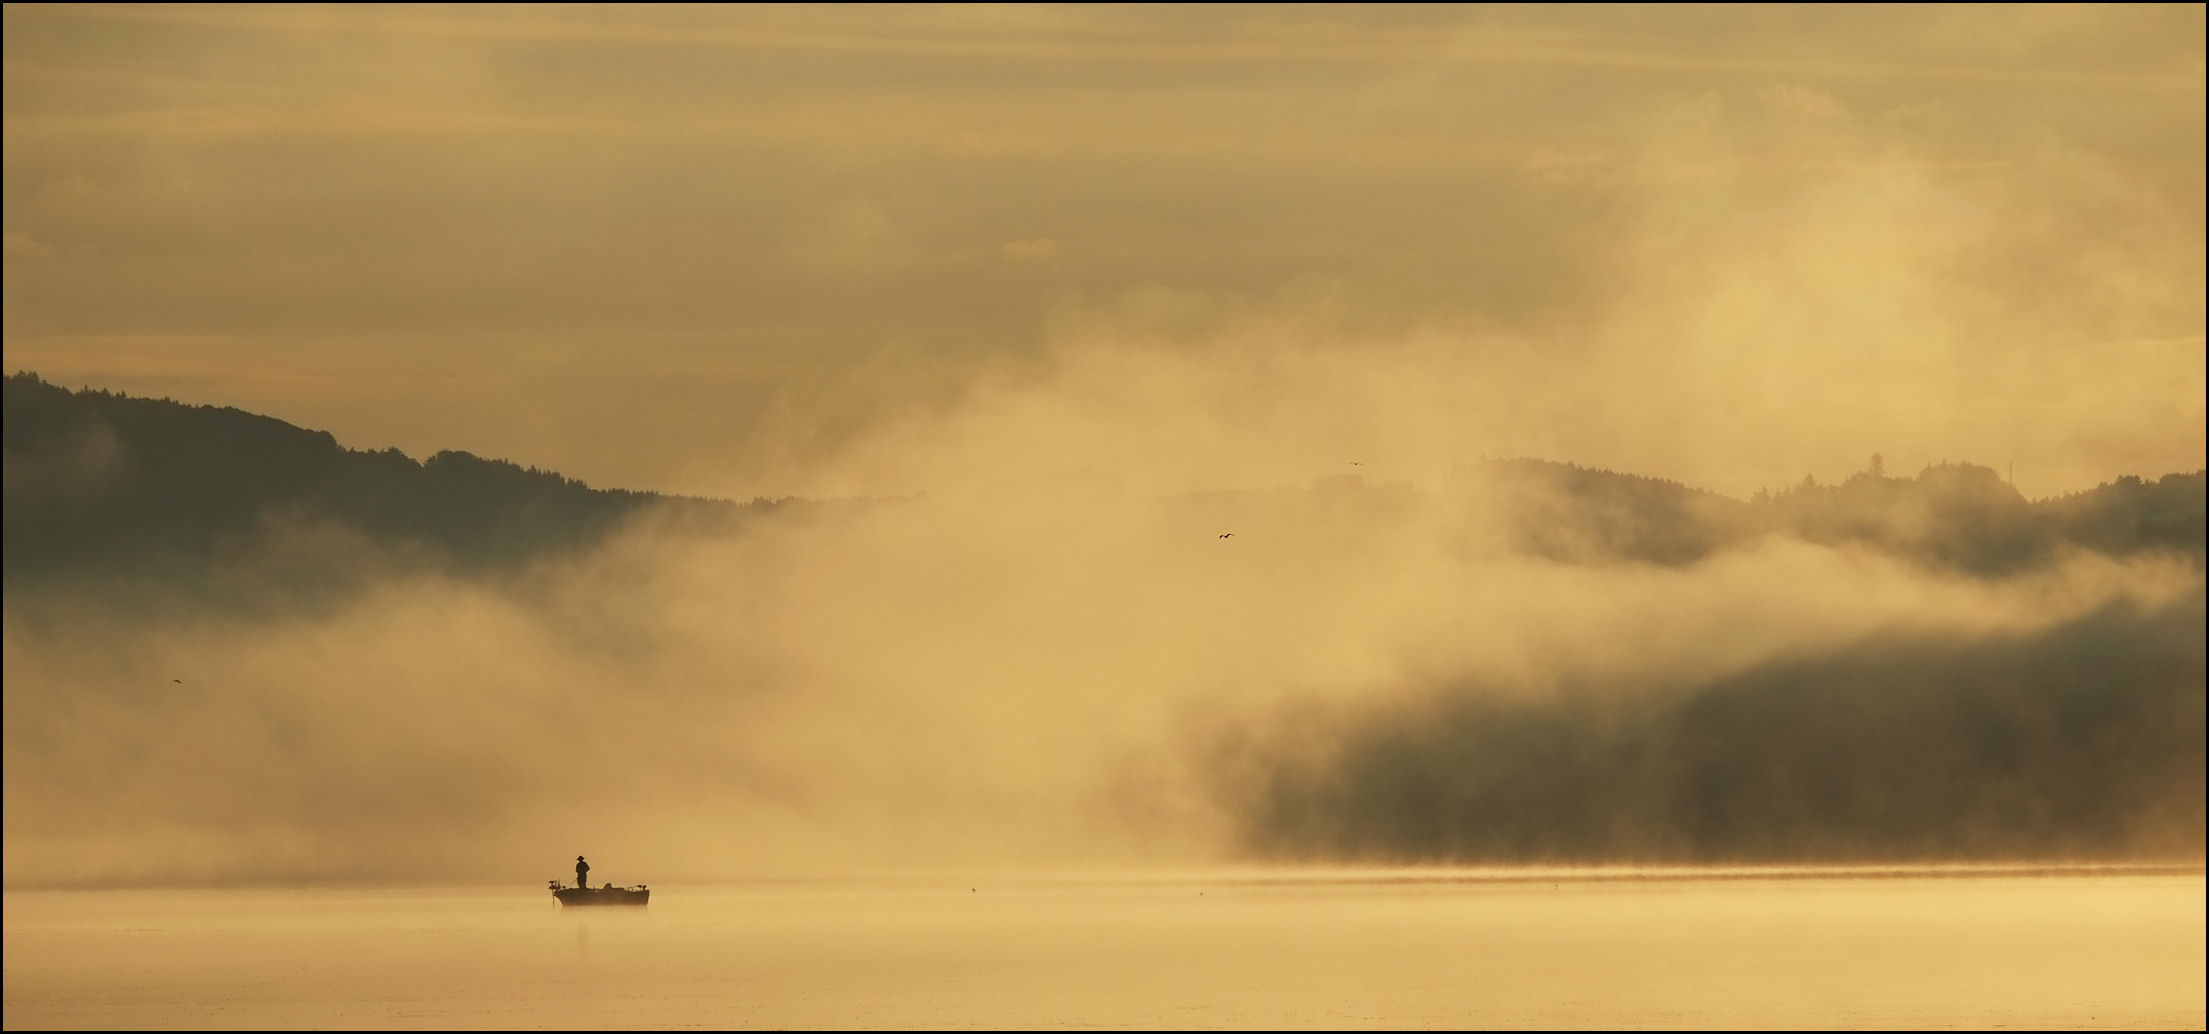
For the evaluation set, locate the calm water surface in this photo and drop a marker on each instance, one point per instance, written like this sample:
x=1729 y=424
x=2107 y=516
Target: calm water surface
x=1306 y=950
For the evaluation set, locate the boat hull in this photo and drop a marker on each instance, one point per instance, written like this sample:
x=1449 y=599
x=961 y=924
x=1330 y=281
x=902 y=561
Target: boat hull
x=603 y=895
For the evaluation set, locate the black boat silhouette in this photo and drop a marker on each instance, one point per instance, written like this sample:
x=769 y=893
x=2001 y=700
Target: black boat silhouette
x=606 y=895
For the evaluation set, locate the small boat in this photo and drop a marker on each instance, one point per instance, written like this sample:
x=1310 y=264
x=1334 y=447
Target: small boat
x=606 y=895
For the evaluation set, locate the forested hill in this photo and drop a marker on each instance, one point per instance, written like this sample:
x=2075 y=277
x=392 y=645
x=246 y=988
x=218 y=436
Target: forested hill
x=1954 y=516
x=102 y=484
x=217 y=504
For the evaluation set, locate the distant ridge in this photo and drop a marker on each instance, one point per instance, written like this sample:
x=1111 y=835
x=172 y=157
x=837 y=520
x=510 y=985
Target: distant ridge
x=105 y=484
x=217 y=503
x=1958 y=516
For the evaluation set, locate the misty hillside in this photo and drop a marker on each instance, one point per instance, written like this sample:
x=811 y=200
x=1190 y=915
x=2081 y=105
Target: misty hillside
x=1563 y=511
x=2084 y=740
x=220 y=502
x=208 y=498
x=1536 y=662
x=1954 y=516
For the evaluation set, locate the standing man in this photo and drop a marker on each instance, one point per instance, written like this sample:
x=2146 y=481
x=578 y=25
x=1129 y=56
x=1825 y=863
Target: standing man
x=582 y=873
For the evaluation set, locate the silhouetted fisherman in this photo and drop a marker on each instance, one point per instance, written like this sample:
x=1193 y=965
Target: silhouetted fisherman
x=582 y=873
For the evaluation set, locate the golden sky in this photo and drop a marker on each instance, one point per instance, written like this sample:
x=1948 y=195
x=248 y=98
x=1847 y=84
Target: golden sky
x=741 y=250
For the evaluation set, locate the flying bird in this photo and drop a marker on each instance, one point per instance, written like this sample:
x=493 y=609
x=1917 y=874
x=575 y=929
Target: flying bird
x=1229 y=535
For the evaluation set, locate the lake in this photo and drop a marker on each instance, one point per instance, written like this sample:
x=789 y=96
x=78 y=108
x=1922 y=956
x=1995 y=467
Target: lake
x=1218 y=949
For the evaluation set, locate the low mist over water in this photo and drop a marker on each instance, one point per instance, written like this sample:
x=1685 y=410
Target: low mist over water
x=1310 y=949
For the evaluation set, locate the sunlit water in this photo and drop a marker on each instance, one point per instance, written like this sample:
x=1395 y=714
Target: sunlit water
x=1315 y=950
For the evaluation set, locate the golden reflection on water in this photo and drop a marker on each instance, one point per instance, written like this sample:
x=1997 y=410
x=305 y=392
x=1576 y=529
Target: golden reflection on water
x=1288 y=948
